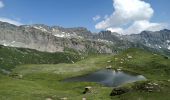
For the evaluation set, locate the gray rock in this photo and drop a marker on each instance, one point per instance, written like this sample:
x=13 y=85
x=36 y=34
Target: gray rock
x=49 y=39
x=58 y=39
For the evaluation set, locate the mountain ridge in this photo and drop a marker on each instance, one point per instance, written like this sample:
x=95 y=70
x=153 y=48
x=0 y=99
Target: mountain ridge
x=56 y=39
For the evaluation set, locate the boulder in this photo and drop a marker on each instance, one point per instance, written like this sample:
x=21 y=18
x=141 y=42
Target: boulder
x=48 y=99
x=16 y=75
x=87 y=89
x=64 y=98
x=118 y=91
x=109 y=61
x=109 y=67
x=84 y=99
x=148 y=87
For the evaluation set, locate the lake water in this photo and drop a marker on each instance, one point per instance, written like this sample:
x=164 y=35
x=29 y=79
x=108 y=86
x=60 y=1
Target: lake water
x=110 y=78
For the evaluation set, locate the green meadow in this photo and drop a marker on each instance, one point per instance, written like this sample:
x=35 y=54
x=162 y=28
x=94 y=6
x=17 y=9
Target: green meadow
x=39 y=75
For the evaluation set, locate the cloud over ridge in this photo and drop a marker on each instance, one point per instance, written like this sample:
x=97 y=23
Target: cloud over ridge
x=11 y=21
x=136 y=12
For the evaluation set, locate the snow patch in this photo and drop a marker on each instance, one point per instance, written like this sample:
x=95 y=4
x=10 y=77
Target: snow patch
x=55 y=30
x=5 y=44
x=168 y=47
x=158 y=46
x=59 y=35
x=63 y=34
x=168 y=41
x=105 y=41
x=13 y=42
x=41 y=28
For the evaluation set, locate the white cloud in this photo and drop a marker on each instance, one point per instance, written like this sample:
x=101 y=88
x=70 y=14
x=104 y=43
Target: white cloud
x=1 y=4
x=97 y=17
x=116 y=29
x=136 y=12
x=11 y=21
x=139 y=26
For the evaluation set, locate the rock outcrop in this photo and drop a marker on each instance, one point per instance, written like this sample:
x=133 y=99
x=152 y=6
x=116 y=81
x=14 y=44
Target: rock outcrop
x=58 y=39
x=50 y=39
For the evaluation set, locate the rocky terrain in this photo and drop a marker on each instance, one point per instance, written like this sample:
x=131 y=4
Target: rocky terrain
x=50 y=39
x=58 y=39
x=159 y=40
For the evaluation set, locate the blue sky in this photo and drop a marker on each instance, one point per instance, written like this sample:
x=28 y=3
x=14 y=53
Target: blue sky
x=72 y=13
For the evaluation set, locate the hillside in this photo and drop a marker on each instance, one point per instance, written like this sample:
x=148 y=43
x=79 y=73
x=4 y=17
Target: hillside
x=41 y=82
x=10 y=57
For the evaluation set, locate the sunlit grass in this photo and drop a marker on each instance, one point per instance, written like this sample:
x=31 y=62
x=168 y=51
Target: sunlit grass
x=45 y=80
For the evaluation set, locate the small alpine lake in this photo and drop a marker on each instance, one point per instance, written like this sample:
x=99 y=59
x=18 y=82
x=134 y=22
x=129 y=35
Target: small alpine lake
x=108 y=77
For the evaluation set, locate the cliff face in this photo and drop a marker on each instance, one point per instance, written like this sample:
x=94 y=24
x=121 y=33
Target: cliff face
x=49 y=39
x=157 y=40
x=58 y=39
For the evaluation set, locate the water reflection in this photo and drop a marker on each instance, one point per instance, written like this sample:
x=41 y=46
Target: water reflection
x=110 y=78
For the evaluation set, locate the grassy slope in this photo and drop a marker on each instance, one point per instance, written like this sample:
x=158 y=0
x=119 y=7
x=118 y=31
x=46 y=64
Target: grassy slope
x=155 y=67
x=10 y=57
x=43 y=81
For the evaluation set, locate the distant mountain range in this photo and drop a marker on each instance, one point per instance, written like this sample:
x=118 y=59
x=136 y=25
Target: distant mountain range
x=58 y=39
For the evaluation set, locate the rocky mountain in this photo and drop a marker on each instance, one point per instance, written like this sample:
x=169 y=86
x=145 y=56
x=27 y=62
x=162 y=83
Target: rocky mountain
x=159 y=40
x=50 y=39
x=58 y=39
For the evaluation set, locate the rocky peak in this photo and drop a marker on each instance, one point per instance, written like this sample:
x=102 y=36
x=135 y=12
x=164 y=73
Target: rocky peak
x=157 y=40
x=80 y=31
x=7 y=25
x=50 y=39
x=165 y=30
x=55 y=38
x=107 y=35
